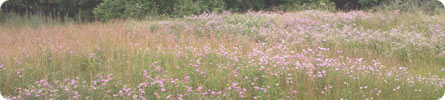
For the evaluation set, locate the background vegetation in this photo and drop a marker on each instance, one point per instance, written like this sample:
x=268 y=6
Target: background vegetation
x=139 y=9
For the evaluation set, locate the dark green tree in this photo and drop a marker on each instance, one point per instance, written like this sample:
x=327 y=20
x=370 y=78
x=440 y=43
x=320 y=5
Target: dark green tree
x=82 y=9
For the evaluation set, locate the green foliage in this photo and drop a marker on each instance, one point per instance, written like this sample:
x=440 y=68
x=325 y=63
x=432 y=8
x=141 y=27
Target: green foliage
x=110 y=9
x=306 y=4
x=142 y=8
x=402 y=5
x=244 y=5
x=427 y=6
x=31 y=20
x=139 y=9
x=189 y=7
x=165 y=7
x=81 y=9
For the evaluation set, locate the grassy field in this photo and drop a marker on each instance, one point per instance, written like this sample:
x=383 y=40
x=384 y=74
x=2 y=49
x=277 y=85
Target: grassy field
x=306 y=55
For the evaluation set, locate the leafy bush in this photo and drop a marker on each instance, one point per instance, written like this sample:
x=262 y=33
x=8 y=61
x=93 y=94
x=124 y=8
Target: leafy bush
x=290 y=5
x=244 y=5
x=111 y=9
x=189 y=7
x=138 y=9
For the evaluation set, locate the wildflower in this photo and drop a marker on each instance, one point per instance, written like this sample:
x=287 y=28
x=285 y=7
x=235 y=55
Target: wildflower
x=2 y=67
x=93 y=56
x=256 y=87
x=294 y=92
x=339 y=52
x=199 y=89
x=234 y=84
x=180 y=97
x=189 y=89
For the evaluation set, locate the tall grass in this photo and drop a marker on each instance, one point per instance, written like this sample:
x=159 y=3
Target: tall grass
x=257 y=55
x=34 y=20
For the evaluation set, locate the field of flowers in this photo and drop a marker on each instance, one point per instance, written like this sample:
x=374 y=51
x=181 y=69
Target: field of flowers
x=307 y=55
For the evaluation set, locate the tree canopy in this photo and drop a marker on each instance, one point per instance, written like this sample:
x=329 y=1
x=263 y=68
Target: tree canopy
x=108 y=9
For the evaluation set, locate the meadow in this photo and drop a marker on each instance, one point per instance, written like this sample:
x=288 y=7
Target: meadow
x=305 y=55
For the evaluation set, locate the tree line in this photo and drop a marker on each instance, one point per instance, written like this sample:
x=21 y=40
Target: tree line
x=110 y=9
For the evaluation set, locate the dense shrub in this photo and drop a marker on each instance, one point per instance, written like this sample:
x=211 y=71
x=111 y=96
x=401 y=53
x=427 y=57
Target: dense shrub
x=244 y=5
x=137 y=9
x=305 y=4
x=188 y=7
x=109 y=9
x=142 y=8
